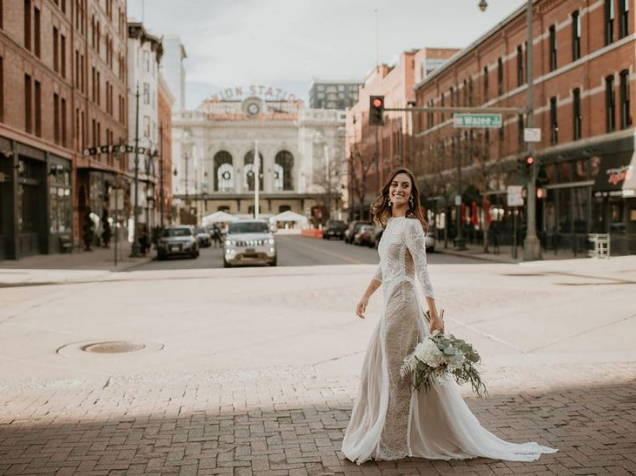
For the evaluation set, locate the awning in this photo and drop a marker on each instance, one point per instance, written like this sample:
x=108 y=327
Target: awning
x=615 y=174
x=218 y=217
x=289 y=216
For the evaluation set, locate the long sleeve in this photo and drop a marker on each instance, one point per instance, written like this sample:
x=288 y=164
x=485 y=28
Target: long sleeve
x=415 y=243
x=378 y=273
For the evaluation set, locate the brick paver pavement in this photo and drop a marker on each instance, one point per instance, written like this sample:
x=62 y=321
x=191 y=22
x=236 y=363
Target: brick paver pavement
x=290 y=421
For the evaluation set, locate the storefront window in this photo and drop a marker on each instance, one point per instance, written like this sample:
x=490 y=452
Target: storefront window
x=581 y=169
x=60 y=199
x=564 y=211
x=580 y=202
x=565 y=172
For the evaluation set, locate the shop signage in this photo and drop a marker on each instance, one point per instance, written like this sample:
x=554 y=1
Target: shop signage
x=119 y=149
x=619 y=175
x=490 y=121
x=259 y=90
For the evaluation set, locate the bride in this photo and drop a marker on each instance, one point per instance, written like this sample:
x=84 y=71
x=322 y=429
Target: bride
x=390 y=419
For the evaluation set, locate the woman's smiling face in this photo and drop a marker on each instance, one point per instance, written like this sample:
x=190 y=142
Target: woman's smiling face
x=400 y=190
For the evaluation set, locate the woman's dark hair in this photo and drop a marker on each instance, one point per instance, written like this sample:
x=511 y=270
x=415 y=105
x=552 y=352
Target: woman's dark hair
x=380 y=209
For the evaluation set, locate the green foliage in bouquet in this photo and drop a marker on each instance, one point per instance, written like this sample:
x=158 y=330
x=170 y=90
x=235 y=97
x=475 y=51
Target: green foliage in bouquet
x=453 y=356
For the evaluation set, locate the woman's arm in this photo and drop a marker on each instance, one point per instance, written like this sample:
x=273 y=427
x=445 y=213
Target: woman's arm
x=375 y=283
x=415 y=243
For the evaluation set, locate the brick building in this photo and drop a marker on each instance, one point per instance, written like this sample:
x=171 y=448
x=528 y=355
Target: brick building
x=62 y=89
x=373 y=151
x=584 y=59
x=164 y=185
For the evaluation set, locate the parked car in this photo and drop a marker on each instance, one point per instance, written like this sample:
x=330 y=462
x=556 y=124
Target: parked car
x=429 y=241
x=334 y=229
x=353 y=229
x=177 y=240
x=203 y=237
x=364 y=237
x=249 y=241
x=377 y=235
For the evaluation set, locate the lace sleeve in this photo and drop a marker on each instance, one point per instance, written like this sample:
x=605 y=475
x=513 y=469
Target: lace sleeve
x=415 y=243
x=378 y=273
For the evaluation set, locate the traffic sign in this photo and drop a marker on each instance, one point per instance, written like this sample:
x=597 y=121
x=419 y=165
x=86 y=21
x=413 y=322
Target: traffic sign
x=487 y=120
x=532 y=134
x=515 y=195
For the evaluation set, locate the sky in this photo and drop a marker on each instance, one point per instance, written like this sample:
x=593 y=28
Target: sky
x=286 y=43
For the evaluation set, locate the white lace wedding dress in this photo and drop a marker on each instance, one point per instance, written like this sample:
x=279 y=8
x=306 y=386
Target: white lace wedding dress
x=391 y=420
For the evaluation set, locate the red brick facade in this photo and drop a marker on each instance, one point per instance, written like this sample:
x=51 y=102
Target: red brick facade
x=63 y=84
x=584 y=59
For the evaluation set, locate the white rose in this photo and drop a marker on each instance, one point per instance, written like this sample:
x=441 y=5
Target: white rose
x=428 y=353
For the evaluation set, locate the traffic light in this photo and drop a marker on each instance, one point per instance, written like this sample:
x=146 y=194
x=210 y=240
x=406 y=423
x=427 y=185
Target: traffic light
x=525 y=164
x=376 y=110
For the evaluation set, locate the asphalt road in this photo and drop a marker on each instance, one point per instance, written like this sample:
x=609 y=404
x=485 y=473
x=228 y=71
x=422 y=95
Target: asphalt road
x=294 y=250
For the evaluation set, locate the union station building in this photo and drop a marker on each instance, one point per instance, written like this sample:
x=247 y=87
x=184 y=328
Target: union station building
x=299 y=152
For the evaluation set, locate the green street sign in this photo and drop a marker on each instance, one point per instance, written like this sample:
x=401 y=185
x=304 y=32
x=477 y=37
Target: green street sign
x=491 y=121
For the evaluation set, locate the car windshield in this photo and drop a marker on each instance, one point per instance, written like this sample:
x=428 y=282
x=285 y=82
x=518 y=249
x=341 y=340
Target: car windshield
x=248 y=227
x=201 y=230
x=177 y=232
x=336 y=223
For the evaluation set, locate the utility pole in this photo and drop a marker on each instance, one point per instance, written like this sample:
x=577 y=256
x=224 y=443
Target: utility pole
x=532 y=247
x=257 y=173
x=161 y=193
x=135 y=251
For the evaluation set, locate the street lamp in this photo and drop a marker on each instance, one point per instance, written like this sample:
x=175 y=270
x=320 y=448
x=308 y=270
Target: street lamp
x=531 y=246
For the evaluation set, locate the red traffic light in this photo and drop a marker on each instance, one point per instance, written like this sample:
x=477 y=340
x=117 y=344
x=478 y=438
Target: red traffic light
x=529 y=160
x=377 y=102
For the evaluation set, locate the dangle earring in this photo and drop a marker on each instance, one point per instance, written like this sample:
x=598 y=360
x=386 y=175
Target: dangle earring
x=411 y=202
x=388 y=203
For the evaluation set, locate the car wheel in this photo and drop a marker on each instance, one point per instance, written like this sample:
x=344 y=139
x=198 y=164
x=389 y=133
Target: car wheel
x=430 y=250
x=161 y=256
x=226 y=264
x=274 y=262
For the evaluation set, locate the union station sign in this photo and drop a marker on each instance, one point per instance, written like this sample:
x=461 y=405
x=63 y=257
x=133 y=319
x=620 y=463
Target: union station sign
x=259 y=90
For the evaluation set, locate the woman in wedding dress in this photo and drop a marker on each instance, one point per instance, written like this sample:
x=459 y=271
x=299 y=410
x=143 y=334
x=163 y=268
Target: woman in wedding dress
x=390 y=419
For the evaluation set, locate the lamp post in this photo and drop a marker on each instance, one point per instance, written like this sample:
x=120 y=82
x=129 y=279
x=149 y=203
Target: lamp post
x=135 y=251
x=532 y=246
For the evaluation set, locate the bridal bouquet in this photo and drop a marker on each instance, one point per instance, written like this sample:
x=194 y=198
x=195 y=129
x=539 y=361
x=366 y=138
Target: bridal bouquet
x=439 y=355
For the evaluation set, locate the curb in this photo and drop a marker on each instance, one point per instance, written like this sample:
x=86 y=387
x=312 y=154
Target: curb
x=475 y=257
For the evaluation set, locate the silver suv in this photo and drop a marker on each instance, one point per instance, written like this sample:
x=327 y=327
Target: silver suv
x=177 y=240
x=249 y=241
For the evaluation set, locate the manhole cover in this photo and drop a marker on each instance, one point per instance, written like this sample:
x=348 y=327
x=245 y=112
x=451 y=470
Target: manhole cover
x=96 y=348
x=115 y=347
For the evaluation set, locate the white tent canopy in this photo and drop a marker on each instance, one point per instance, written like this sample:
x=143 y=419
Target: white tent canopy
x=218 y=217
x=290 y=216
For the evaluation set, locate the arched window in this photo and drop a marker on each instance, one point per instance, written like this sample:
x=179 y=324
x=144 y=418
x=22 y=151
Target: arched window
x=249 y=171
x=283 y=167
x=223 y=172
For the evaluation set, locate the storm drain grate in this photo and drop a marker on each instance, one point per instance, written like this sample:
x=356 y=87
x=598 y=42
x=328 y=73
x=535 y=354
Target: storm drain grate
x=113 y=347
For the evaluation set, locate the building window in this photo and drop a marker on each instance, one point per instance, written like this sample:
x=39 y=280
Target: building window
x=520 y=74
x=577 y=119
x=36 y=32
x=56 y=51
x=28 y=104
x=56 y=118
x=554 y=124
x=283 y=171
x=146 y=93
x=500 y=76
x=626 y=119
x=553 y=48
x=77 y=69
x=63 y=120
x=576 y=35
x=609 y=21
x=27 y=24
x=471 y=93
x=610 y=104
x=147 y=126
x=63 y=55
x=486 y=88
x=38 y=108
x=623 y=15
x=520 y=141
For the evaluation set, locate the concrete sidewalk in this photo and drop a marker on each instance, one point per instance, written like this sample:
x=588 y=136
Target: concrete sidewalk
x=505 y=253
